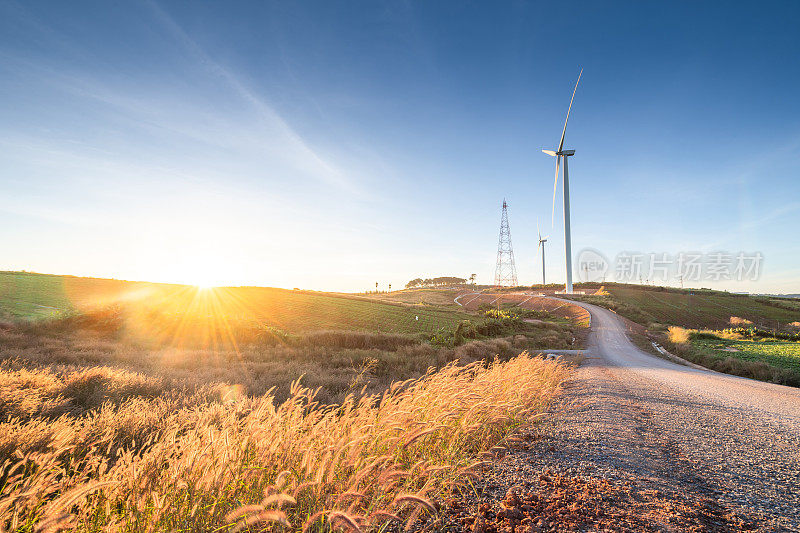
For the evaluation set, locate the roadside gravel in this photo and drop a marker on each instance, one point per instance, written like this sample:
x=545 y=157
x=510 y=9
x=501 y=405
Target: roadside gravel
x=637 y=443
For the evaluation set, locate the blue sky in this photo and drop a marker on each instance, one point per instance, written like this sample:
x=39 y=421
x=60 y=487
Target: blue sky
x=331 y=145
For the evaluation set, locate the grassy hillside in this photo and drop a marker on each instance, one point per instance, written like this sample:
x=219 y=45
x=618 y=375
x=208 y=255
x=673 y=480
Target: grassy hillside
x=29 y=295
x=774 y=352
x=705 y=308
x=146 y=407
x=298 y=311
x=742 y=351
x=696 y=308
x=696 y=325
x=422 y=297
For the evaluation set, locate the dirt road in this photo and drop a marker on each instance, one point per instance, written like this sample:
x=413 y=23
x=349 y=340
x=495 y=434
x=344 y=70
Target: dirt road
x=639 y=443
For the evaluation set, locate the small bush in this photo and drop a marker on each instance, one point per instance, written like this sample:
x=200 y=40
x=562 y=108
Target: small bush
x=678 y=335
x=702 y=335
x=535 y=314
x=443 y=338
x=270 y=336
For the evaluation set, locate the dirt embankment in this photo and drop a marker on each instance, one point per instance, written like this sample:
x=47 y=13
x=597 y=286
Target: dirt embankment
x=562 y=309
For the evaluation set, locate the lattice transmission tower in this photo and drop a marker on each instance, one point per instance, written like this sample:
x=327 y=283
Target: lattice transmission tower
x=505 y=273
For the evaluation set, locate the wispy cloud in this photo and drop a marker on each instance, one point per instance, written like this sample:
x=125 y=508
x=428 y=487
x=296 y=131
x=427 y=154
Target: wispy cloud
x=304 y=156
x=254 y=136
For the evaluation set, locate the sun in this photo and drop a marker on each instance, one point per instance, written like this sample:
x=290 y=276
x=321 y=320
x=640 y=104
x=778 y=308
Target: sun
x=201 y=273
x=204 y=281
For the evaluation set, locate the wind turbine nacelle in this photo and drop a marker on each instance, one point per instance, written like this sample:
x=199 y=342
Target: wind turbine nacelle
x=567 y=152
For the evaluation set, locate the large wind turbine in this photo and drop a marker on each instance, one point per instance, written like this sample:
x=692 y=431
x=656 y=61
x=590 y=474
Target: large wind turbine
x=558 y=154
x=541 y=245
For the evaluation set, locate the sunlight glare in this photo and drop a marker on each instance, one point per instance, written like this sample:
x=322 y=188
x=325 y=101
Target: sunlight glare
x=205 y=278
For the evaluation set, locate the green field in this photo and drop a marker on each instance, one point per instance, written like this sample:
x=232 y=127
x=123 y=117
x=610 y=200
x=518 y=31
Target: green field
x=422 y=297
x=29 y=295
x=704 y=309
x=778 y=353
x=297 y=311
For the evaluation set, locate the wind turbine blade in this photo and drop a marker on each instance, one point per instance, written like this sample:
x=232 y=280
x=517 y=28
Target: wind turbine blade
x=563 y=133
x=555 y=187
x=537 y=229
x=549 y=152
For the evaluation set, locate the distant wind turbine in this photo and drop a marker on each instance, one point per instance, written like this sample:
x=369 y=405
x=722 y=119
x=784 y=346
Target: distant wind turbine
x=558 y=154
x=541 y=245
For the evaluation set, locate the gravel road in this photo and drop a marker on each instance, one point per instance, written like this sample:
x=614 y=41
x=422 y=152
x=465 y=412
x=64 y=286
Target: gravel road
x=638 y=443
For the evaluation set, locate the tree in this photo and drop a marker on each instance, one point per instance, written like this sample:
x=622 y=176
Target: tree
x=448 y=280
x=472 y=279
x=414 y=283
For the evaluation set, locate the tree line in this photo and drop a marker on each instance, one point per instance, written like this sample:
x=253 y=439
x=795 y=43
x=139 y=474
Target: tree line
x=435 y=282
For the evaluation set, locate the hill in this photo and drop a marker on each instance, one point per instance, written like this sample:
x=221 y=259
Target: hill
x=695 y=308
x=421 y=297
x=32 y=295
x=223 y=397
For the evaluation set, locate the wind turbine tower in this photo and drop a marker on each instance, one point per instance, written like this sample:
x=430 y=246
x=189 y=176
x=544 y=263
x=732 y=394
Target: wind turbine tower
x=541 y=245
x=558 y=154
x=505 y=273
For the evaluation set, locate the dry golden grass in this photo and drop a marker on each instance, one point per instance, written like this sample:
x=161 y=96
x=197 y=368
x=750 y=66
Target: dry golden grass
x=678 y=335
x=602 y=291
x=128 y=419
x=213 y=458
x=49 y=370
x=739 y=321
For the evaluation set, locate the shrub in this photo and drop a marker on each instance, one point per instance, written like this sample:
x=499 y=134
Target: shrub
x=678 y=335
x=442 y=338
x=357 y=339
x=700 y=335
x=270 y=336
x=533 y=313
